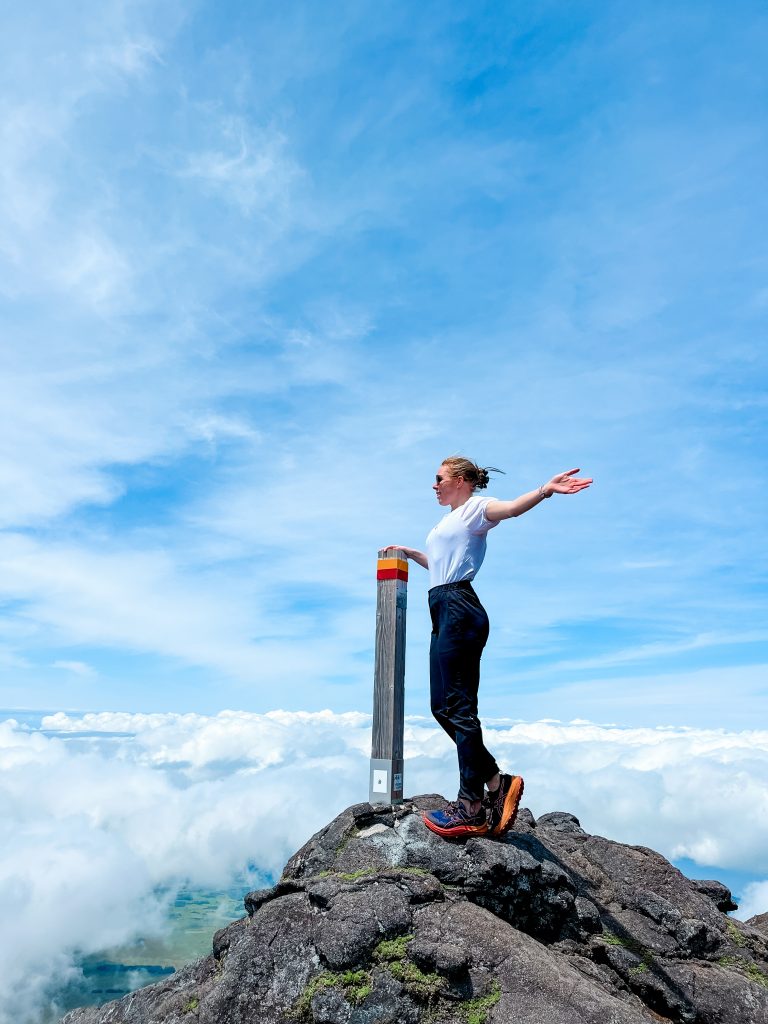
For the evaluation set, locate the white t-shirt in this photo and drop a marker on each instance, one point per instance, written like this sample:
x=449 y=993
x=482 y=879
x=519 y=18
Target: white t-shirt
x=456 y=546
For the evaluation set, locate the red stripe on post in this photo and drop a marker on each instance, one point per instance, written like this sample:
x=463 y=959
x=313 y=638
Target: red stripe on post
x=392 y=574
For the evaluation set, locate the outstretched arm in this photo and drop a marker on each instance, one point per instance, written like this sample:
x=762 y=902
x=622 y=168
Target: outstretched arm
x=563 y=483
x=416 y=556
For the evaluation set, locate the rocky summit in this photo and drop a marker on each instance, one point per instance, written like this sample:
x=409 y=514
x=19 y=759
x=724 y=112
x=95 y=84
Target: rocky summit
x=376 y=920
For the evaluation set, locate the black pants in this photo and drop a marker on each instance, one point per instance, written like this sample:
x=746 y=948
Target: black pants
x=459 y=634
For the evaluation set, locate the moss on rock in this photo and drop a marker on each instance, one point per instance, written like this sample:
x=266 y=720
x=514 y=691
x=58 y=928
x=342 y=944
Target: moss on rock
x=354 y=985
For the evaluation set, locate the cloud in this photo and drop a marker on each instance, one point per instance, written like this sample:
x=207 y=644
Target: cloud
x=213 y=428
x=97 y=811
x=115 y=313
x=660 y=648
x=248 y=168
x=78 y=667
x=145 y=601
x=754 y=900
x=125 y=598
x=193 y=799
x=95 y=270
x=688 y=696
x=132 y=57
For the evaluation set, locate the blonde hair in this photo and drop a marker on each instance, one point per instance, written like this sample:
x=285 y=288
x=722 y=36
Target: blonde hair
x=476 y=475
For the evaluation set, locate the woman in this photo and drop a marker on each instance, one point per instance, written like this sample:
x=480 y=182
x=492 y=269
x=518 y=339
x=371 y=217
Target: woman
x=455 y=552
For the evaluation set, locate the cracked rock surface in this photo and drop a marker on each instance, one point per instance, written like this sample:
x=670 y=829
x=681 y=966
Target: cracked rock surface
x=376 y=920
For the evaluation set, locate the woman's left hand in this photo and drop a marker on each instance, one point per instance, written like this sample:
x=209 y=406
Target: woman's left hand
x=567 y=483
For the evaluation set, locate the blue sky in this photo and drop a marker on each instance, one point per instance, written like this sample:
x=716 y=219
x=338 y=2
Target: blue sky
x=262 y=268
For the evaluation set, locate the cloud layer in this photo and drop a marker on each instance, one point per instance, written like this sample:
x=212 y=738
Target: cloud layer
x=98 y=811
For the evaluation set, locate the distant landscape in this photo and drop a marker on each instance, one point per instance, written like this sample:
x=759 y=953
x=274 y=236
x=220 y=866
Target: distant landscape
x=193 y=917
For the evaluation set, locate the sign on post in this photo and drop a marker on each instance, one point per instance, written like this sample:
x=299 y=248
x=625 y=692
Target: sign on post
x=386 y=777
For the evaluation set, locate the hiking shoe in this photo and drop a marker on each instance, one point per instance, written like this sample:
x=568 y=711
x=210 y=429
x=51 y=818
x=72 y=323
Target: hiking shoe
x=502 y=804
x=456 y=821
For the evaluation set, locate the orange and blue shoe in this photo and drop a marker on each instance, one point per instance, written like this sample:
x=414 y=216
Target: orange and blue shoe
x=456 y=821
x=503 y=803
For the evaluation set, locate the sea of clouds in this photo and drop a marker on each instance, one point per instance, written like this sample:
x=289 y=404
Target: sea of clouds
x=102 y=816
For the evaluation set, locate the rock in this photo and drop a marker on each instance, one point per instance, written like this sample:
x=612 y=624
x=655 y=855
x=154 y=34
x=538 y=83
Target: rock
x=226 y=938
x=330 y=1007
x=759 y=921
x=254 y=900
x=376 y=920
x=561 y=821
x=372 y=830
x=446 y=958
x=588 y=914
x=718 y=893
x=525 y=821
x=356 y=921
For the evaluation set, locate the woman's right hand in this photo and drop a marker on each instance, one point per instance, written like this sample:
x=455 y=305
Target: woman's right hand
x=416 y=556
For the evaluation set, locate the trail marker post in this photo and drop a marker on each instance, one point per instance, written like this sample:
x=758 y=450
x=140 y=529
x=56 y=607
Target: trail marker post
x=386 y=775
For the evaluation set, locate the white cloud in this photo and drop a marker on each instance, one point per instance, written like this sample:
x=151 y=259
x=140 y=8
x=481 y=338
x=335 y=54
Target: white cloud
x=130 y=57
x=10 y=659
x=249 y=168
x=186 y=798
x=78 y=667
x=127 y=598
x=633 y=655
x=754 y=901
x=696 y=696
x=115 y=308
x=173 y=602
x=93 y=268
x=212 y=428
x=101 y=809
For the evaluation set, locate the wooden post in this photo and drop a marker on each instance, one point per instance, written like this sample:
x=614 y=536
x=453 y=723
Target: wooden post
x=386 y=775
